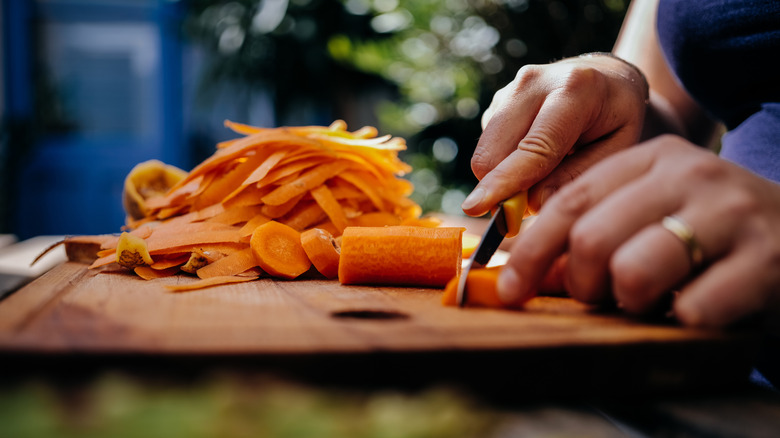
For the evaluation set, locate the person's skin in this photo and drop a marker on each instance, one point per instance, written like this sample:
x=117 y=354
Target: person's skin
x=566 y=132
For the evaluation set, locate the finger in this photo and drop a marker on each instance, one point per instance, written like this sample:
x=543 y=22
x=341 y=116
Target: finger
x=732 y=288
x=537 y=247
x=508 y=159
x=574 y=165
x=647 y=267
x=596 y=236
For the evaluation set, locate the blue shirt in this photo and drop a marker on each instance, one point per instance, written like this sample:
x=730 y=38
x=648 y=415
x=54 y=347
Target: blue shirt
x=724 y=53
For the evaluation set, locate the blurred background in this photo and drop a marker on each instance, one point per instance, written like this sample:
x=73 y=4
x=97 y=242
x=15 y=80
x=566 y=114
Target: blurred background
x=92 y=87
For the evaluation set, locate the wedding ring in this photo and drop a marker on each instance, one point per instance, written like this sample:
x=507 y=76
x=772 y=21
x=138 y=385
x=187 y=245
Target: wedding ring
x=683 y=231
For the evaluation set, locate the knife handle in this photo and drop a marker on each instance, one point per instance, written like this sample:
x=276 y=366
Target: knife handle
x=514 y=210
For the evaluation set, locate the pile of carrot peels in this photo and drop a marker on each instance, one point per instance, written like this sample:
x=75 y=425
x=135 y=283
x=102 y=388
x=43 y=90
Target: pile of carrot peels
x=250 y=209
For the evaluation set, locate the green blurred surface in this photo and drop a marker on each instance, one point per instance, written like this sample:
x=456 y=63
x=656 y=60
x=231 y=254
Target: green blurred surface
x=117 y=405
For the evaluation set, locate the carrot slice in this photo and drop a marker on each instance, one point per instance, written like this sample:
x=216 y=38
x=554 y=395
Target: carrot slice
x=400 y=255
x=481 y=286
x=232 y=264
x=209 y=282
x=278 y=250
x=322 y=251
x=325 y=199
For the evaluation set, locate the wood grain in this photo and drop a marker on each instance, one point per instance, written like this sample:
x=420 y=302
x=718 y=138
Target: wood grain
x=75 y=310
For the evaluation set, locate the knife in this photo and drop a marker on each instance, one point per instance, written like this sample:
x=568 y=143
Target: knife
x=504 y=222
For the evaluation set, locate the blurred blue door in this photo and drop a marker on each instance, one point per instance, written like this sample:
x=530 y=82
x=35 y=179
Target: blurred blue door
x=100 y=82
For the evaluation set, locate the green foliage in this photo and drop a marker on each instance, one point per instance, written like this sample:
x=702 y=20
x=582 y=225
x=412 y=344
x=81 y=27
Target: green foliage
x=443 y=59
x=120 y=407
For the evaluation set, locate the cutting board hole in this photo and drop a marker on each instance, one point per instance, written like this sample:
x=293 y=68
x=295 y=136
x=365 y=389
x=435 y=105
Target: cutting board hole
x=382 y=315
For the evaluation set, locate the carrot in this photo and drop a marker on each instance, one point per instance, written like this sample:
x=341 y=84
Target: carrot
x=165 y=262
x=375 y=219
x=400 y=255
x=275 y=211
x=278 y=250
x=470 y=243
x=208 y=282
x=359 y=182
x=233 y=264
x=481 y=287
x=303 y=216
x=325 y=199
x=305 y=182
x=236 y=215
x=322 y=251
x=149 y=273
x=249 y=227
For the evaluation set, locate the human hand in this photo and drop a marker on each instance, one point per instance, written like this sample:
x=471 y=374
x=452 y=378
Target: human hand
x=593 y=105
x=608 y=221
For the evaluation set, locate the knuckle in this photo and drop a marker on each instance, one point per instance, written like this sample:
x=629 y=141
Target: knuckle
x=586 y=243
x=481 y=163
x=541 y=142
x=707 y=167
x=572 y=200
x=526 y=75
x=581 y=78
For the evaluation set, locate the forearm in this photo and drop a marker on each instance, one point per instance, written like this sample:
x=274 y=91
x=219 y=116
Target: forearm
x=670 y=108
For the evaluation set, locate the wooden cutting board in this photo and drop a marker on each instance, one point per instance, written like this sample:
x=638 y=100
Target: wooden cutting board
x=109 y=312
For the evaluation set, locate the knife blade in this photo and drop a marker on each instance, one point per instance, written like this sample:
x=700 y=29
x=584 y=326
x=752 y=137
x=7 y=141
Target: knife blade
x=504 y=222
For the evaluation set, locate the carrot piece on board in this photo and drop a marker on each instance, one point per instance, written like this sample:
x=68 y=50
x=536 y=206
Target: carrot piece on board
x=278 y=250
x=208 y=282
x=232 y=264
x=325 y=199
x=310 y=179
x=322 y=251
x=400 y=255
x=481 y=286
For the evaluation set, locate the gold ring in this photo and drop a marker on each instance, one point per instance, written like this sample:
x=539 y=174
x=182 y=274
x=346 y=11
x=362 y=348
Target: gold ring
x=677 y=226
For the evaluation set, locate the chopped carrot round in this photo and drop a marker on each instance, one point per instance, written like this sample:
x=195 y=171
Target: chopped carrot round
x=481 y=287
x=278 y=250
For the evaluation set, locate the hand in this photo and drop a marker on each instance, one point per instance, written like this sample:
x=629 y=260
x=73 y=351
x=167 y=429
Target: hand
x=593 y=105
x=609 y=223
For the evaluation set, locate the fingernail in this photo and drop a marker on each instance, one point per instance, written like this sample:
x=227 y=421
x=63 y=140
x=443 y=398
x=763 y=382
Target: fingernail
x=509 y=286
x=473 y=199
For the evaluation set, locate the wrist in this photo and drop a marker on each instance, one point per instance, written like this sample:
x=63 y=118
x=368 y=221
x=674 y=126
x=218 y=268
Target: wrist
x=639 y=77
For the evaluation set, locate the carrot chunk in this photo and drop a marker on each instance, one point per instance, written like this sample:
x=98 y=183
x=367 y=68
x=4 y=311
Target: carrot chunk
x=481 y=286
x=400 y=255
x=322 y=250
x=278 y=250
